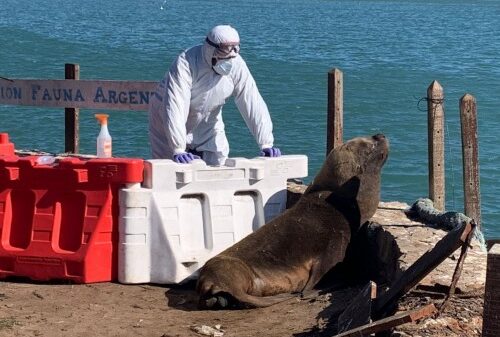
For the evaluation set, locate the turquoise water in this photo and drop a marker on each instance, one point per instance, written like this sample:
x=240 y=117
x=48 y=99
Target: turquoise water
x=389 y=52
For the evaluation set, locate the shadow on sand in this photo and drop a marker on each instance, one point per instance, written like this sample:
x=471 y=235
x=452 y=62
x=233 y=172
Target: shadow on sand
x=344 y=281
x=182 y=296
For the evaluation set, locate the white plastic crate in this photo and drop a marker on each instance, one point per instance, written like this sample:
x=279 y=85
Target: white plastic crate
x=183 y=214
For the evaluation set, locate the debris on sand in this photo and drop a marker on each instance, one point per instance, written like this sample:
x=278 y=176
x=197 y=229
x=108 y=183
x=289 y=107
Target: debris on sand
x=206 y=330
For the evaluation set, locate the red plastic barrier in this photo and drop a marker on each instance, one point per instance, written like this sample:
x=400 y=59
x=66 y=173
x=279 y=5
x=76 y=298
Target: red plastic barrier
x=61 y=221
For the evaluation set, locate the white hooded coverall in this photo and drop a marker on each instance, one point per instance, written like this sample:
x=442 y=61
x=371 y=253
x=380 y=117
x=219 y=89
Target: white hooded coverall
x=185 y=111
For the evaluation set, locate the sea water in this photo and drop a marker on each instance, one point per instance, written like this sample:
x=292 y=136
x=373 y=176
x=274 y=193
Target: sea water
x=389 y=53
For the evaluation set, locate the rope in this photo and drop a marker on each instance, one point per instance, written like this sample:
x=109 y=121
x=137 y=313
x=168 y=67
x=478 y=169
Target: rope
x=426 y=99
x=423 y=209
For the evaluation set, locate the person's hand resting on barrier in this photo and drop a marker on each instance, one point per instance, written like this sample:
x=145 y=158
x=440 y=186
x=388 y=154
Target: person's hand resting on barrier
x=270 y=152
x=185 y=157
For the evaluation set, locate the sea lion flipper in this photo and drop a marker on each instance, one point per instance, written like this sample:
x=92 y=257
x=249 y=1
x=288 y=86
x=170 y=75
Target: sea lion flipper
x=225 y=300
x=315 y=274
x=266 y=301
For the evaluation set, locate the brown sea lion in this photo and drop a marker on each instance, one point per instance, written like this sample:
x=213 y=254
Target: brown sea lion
x=293 y=251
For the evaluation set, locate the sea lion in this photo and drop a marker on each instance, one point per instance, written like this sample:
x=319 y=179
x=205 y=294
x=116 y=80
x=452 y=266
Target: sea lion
x=293 y=251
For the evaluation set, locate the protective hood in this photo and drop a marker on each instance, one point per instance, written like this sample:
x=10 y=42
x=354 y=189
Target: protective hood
x=222 y=34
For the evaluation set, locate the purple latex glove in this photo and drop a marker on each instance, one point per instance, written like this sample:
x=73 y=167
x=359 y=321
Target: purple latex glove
x=270 y=152
x=185 y=157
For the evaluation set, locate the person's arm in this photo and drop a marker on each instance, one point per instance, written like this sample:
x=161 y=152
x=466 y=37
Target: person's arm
x=252 y=106
x=177 y=93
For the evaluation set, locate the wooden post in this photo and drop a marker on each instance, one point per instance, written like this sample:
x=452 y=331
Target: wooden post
x=435 y=122
x=71 y=115
x=491 y=325
x=335 y=123
x=468 y=121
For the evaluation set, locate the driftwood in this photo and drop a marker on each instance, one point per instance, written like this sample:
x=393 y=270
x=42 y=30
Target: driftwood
x=423 y=266
x=355 y=320
x=458 y=270
x=390 y=322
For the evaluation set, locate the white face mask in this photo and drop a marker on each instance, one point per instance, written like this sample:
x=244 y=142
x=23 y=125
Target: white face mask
x=223 y=67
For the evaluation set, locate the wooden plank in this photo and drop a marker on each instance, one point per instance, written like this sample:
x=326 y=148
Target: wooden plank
x=89 y=94
x=458 y=270
x=435 y=122
x=491 y=326
x=423 y=266
x=335 y=123
x=390 y=322
x=71 y=115
x=468 y=122
x=359 y=311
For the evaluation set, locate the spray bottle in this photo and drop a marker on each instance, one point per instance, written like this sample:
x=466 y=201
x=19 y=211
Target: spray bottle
x=104 y=138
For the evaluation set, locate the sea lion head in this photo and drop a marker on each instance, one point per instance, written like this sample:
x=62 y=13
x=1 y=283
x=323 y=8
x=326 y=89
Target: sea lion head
x=352 y=173
x=359 y=157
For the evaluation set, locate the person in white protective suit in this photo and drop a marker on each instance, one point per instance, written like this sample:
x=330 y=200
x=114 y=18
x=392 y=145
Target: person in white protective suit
x=185 y=120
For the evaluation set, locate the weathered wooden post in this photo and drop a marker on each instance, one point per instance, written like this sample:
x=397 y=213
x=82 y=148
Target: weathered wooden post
x=71 y=115
x=468 y=121
x=491 y=313
x=435 y=123
x=335 y=123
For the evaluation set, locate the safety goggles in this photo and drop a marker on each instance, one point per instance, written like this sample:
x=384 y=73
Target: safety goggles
x=229 y=49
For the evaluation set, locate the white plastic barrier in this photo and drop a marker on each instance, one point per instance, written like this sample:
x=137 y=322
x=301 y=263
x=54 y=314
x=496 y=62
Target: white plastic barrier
x=184 y=214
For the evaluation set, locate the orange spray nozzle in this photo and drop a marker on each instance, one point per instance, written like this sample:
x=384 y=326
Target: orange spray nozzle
x=102 y=118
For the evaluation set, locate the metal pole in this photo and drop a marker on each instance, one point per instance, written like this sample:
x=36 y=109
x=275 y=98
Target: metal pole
x=71 y=115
